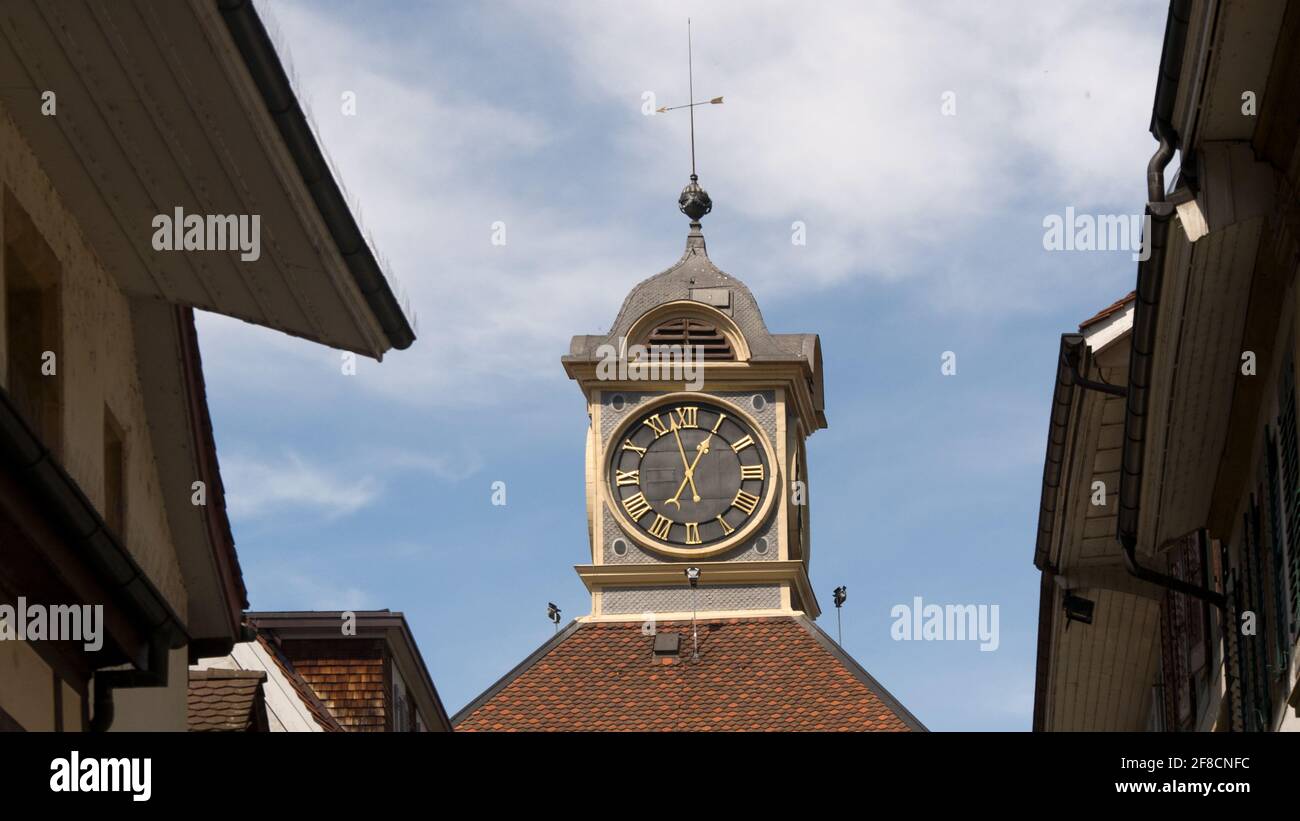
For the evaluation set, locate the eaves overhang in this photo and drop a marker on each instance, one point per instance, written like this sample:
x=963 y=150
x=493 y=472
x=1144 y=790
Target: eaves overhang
x=264 y=65
x=167 y=112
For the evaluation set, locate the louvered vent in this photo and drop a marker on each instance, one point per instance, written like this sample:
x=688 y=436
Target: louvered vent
x=691 y=333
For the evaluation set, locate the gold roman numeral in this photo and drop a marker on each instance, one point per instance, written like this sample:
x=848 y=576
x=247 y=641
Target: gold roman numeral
x=688 y=416
x=692 y=532
x=741 y=444
x=718 y=423
x=660 y=527
x=656 y=424
x=745 y=501
x=627 y=445
x=727 y=529
x=628 y=477
x=636 y=506
x=751 y=472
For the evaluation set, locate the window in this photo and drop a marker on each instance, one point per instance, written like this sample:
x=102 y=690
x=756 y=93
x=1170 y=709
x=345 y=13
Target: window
x=401 y=709
x=1184 y=636
x=114 y=475
x=33 y=326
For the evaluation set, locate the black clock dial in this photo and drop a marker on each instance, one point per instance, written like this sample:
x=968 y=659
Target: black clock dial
x=689 y=474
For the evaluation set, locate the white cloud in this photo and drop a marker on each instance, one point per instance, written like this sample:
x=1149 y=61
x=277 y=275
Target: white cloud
x=453 y=467
x=258 y=487
x=832 y=116
x=833 y=110
x=280 y=586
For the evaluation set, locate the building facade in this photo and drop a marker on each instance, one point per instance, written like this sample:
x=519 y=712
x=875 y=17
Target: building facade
x=1169 y=533
x=118 y=568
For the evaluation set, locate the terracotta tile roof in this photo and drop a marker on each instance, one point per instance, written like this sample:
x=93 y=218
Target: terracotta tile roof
x=1113 y=308
x=775 y=673
x=227 y=701
x=300 y=685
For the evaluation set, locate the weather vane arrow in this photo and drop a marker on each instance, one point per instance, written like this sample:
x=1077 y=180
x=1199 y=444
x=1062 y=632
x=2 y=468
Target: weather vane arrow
x=694 y=201
x=664 y=108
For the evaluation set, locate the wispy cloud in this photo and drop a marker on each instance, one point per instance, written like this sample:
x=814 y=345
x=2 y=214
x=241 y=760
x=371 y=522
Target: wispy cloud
x=257 y=486
x=290 y=587
x=833 y=117
x=834 y=114
x=457 y=465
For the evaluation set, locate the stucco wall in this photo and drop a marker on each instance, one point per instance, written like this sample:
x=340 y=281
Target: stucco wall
x=28 y=691
x=97 y=366
x=142 y=709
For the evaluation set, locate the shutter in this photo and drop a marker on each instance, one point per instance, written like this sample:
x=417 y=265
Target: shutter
x=1171 y=667
x=691 y=334
x=1254 y=654
x=1290 y=481
x=1277 y=556
x=1194 y=608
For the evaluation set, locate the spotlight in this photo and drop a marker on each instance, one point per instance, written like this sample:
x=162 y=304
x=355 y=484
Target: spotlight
x=693 y=576
x=841 y=594
x=1077 y=608
x=553 y=613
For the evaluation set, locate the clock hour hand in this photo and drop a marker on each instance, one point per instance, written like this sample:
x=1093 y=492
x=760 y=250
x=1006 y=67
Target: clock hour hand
x=700 y=450
x=690 y=469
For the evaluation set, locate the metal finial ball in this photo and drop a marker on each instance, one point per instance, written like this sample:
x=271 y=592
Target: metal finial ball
x=694 y=201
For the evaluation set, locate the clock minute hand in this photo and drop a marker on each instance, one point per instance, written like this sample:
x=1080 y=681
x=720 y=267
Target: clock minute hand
x=690 y=469
x=700 y=450
x=672 y=424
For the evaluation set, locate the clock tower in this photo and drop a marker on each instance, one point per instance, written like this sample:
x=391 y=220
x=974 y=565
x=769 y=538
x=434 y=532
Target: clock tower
x=695 y=451
x=702 y=617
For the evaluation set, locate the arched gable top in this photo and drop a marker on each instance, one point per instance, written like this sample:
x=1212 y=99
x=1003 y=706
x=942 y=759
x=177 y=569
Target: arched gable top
x=687 y=323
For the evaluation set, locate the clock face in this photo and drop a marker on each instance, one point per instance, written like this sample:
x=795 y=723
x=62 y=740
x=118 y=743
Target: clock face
x=690 y=475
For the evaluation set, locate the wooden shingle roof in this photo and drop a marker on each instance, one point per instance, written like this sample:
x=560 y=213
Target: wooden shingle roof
x=348 y=676
x=773 y=673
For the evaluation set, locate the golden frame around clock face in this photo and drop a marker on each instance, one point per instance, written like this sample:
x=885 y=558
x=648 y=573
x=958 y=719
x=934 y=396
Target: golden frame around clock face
x=690 y=475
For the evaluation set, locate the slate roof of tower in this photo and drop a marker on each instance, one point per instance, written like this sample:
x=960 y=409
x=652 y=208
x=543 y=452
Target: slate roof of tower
x=694 y=270
x=753 y=674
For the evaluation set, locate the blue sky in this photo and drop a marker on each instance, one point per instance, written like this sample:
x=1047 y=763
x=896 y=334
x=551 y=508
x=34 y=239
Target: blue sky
x=924 y=235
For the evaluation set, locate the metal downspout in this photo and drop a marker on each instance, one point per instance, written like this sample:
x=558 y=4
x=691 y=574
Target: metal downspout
x=1150 y=280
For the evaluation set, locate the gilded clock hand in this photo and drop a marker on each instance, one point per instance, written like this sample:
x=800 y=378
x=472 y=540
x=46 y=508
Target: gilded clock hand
x=700 y=450
x=690 y=469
